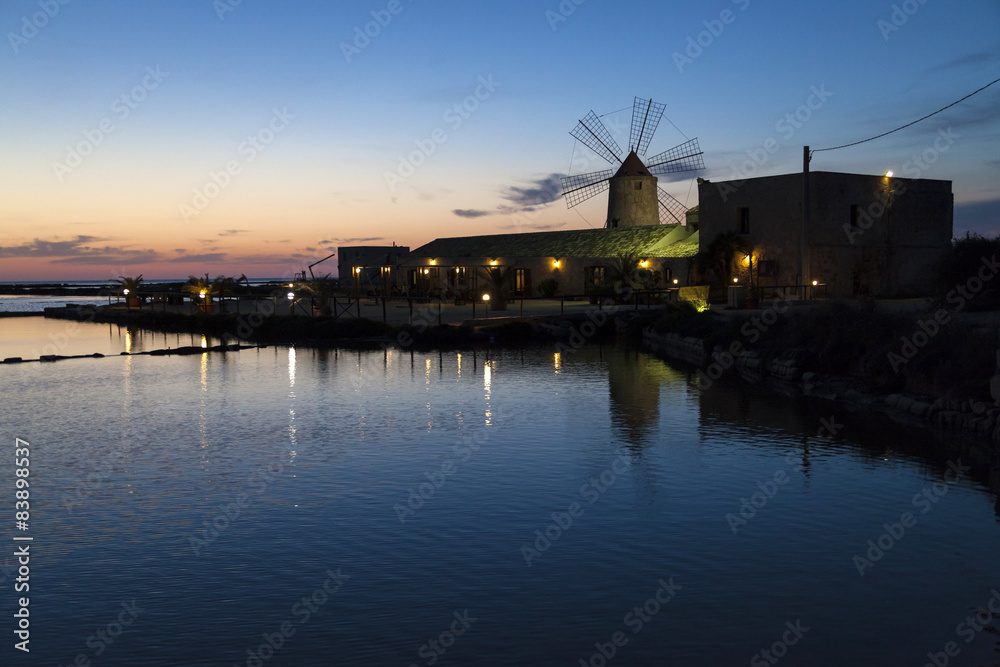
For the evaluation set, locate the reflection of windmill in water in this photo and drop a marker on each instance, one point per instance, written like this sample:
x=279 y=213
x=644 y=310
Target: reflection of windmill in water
x=634 y=199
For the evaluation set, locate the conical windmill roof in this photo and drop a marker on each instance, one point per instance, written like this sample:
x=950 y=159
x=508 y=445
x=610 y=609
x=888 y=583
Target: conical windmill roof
x=632 y=166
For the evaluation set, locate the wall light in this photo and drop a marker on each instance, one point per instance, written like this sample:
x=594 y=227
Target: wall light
x=556 y=263
x=644 y=263
x=434 y=262
x=493 y=262
x=888 y=174
x=736 y=280
x=486 y=297
x=815 y=283
x=676 y=282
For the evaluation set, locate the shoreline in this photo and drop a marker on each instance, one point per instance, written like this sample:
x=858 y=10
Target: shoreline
x=978 y=421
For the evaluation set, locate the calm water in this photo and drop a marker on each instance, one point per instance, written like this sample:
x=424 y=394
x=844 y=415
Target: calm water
x=32 y=337
x=36 y=304
x=311 y=465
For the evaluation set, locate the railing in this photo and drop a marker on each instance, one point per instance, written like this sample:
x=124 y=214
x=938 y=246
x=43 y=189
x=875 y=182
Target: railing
x=425 y=308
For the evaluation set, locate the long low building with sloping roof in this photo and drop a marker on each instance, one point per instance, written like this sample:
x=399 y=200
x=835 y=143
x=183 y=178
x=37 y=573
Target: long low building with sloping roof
x=578 y=260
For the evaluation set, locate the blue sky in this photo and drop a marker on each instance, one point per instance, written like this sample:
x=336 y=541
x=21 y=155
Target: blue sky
x=176 y=188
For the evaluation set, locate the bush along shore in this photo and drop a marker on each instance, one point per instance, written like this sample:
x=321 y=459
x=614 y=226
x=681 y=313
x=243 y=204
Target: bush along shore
x=931 y=365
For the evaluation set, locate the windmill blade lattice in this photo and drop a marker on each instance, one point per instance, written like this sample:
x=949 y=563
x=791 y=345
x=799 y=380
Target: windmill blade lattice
x=646 y=116
x=685 y=157
x=580 y=188
x=671 y=210
x=592 y=134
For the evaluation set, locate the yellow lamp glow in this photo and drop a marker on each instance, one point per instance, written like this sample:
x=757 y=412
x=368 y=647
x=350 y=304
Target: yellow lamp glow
x=815 y=283
x=486 y=297
x=644 y=263
x=676 y=281
x=736 y=280
x=202 y=294
x=555 y=263
x=493 y=262
x=888 y=174
x=434 y=262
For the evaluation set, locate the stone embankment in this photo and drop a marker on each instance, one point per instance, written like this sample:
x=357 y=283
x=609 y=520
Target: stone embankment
x=971 y=417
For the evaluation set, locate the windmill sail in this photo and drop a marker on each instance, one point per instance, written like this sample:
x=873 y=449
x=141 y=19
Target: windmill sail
x=646 y=116
x=634 y=199
x=685 y=157
x=671 y=210
x=580 y=188
x=592 y=134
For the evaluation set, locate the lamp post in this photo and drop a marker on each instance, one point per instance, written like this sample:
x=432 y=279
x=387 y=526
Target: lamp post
x=125 y=292
x=291 y=302
x=486 y=300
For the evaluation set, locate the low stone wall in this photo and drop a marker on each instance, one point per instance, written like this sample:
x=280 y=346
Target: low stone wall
x=973 y=417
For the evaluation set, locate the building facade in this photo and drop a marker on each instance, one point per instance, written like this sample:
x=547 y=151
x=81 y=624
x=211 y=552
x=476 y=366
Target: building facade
x=860 y=234
x=370 y=269
x=578 y=260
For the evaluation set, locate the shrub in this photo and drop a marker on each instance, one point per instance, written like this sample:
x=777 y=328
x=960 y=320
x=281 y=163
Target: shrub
x=548 y=287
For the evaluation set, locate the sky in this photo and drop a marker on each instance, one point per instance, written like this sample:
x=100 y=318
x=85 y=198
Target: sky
x=254 y=137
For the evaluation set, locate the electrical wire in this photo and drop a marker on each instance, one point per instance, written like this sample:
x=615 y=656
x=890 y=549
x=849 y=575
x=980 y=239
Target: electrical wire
x=903 y=127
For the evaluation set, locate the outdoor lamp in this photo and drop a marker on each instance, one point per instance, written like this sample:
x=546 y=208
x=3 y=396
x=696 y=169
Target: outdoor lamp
x=291 y=295
x=125 y=291
x=888 y=174
x=486 y=297
x=202 y=294
x=815 y=283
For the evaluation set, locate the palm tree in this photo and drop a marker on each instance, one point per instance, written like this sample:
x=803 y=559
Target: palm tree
x=204 y=287
x=499 y=279
x=130 y=286
x=722 y=255
x=624 y=269
x=322 y=289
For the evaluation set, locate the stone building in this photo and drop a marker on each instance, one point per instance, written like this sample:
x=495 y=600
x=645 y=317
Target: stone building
x=577 y=259
x=370 y=269
x=862 y=234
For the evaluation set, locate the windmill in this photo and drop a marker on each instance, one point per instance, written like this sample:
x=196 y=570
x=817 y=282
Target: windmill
x=634 y=198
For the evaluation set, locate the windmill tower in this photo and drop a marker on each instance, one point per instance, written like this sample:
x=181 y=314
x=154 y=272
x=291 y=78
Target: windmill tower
x=634 y=199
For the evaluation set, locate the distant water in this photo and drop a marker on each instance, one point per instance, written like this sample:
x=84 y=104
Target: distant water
x=36 y=304
x=381 y=507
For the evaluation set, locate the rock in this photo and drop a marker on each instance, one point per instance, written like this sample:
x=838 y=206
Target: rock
x=920 y=408
x=904 y=403
x=893 y=399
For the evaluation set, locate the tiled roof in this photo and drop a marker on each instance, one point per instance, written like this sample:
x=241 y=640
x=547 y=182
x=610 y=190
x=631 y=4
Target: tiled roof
x=646 y=241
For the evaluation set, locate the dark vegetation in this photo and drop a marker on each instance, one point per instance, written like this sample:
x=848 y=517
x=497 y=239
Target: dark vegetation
x=910 y=352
